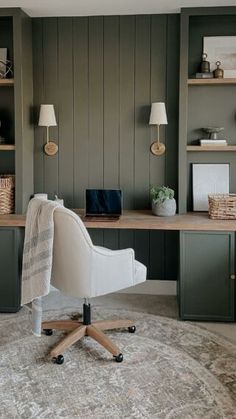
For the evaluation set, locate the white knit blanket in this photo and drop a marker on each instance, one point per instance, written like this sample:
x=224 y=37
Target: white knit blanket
x=38 y=249
x=37 y=254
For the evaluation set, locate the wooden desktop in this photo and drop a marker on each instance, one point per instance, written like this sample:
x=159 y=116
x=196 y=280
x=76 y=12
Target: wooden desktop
x=142 y=220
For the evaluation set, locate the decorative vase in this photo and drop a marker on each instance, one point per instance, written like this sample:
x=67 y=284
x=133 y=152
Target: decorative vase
x=165 y=208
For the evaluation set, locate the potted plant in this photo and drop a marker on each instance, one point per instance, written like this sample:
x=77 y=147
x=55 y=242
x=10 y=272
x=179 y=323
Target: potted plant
x=163 y=202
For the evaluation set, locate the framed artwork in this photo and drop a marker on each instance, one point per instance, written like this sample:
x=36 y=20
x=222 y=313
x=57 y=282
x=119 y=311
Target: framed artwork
x=208 y=179
x=3 y=61
x=223 y=49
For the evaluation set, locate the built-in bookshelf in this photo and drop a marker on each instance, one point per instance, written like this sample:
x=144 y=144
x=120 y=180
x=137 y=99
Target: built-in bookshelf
x=204 y=102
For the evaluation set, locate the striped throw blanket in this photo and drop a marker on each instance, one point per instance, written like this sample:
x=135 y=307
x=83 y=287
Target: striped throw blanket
x=38 y=252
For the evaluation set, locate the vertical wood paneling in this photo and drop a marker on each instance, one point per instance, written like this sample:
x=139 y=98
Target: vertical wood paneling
x=142 y=135
x=111 y=113
x=158 y=90
x=111 y=102
x=96 y=178
x=157 y=163
x=50 y=72
x=127 y=110
x=81 y=110
x=157 y=255
x=38 y=87
x=142 y=110
x=96 y=104
x=65 y=114
x=109 y=71
x=142 y=248
x=171 y=173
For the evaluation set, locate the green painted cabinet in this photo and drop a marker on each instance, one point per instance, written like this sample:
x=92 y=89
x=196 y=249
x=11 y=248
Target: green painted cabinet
x=10 y=268
x=206 y=282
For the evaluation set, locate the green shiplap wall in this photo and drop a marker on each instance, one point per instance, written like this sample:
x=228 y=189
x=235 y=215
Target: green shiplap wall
x=102 y=73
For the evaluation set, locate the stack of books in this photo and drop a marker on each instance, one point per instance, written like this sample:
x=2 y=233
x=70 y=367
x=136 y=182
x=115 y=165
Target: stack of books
x=204 y=75
x=208 y=142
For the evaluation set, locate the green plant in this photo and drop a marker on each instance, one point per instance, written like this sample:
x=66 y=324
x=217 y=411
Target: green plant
x=161 y=193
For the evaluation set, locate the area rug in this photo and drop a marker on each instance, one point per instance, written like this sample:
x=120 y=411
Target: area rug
x=171 y=369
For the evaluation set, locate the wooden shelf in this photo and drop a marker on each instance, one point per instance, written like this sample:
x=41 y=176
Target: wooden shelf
x=7 y=147
x=6 y=82
x=208 y=82
x=211 y=148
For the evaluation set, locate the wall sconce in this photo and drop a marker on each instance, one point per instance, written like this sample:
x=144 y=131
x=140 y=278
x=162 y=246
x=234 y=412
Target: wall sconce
x=158 y=117
x=47 y=119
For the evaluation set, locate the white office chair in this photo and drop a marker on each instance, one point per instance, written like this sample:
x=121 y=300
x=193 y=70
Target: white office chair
x=81 y=269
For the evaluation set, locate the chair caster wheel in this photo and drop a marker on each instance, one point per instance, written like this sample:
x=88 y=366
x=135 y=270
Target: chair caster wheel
x=118 y=358
x=48 y=332
x=132 y=329
x=58 y=359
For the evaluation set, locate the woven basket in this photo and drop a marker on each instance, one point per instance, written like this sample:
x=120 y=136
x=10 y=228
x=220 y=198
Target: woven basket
x=222 y=206
x=7 y=194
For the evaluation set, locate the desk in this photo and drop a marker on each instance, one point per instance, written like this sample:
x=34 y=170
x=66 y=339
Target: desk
x=206 y=259
x=143 y=220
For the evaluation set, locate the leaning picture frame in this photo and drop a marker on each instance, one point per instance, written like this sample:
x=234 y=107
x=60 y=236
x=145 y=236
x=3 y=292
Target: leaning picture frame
x=223 y=49
x=208 y=178
x=3 y=62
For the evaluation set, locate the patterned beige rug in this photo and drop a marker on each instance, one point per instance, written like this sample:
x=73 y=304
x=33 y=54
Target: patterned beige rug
x=171 y=370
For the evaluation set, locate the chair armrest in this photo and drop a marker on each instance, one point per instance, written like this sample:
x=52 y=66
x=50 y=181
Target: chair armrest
x=112 y=270
x=108 y=252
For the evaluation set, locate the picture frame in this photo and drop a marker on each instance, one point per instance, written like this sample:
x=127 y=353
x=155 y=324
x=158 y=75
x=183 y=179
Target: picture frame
x=3 y=62
x=223 y=49
x=208 y=178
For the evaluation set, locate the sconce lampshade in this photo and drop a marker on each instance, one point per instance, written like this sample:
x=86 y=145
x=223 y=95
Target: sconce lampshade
x=158 y=114
x=47 y=116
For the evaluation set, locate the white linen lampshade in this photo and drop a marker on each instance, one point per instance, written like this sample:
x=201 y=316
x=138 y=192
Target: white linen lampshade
x=47 y=116
x=158 y=114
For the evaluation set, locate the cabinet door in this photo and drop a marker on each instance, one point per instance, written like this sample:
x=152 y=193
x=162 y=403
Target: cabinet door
x=207 y=266
x=10 y=257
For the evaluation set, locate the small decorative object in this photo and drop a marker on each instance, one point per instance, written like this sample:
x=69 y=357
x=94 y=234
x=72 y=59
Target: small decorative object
x=205 y=65
x=221 y=48
x=208 y=179
x=213 y=132
x=47 y=119
x=212 y=137
x=222 y=206
x=204 y=75
x=218 y=72
x=158 y=117
x=163 y=202
x=7 y=194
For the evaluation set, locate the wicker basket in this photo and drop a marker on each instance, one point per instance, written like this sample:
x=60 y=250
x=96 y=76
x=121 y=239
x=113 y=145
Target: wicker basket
x=222 y=206
x=7 y=194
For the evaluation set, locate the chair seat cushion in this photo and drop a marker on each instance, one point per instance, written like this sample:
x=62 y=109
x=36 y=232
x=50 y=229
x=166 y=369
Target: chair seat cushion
x=140 y=272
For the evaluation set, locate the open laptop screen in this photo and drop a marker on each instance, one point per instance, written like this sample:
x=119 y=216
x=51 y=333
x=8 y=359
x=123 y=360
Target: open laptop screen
x=103 y=202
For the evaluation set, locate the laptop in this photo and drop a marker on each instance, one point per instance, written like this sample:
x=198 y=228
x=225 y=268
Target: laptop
x=103 y=204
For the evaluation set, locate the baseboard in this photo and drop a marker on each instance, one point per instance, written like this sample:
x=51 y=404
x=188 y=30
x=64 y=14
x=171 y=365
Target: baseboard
x=153 y=287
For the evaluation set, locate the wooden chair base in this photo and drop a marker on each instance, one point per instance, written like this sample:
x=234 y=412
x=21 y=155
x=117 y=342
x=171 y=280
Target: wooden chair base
x=78 y=330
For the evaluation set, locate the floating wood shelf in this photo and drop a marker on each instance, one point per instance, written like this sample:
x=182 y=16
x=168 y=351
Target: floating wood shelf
x=6 y=82
x=211 y=148
x=208 y=82
x=7 y=147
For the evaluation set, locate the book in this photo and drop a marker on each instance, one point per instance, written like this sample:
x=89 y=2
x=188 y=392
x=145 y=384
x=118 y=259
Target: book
x=204 y=75
x=209 y=142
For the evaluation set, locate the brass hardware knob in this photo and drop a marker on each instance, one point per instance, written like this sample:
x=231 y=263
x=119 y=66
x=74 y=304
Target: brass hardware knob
x=232 y=276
